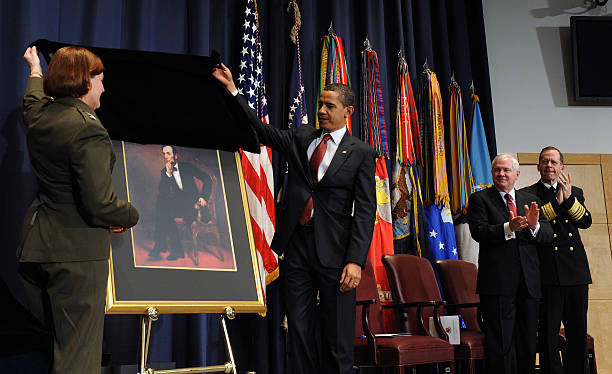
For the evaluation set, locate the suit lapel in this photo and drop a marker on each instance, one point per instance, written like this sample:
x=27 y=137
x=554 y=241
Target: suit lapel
x=499 y=202
x=342 y=154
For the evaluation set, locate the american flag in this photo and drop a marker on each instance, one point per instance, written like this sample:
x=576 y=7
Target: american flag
x=257 y=168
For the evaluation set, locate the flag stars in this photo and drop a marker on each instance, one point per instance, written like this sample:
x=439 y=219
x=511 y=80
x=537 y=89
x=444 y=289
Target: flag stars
x=433 y=233
x=240 y=91
x=247 y=24
x=441 y=245
x=455 y=251
x=258 y=70
x=251 y=92
x=244 y=51
x=296 y=100
x=241 y=78
x=247 y=11
x=242 y=64
x=292 y=108
x=245 y=38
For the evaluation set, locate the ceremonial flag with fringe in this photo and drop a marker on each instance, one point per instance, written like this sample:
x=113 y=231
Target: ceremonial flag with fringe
x=462 y=181
x=479 y=151
x=257 y=168
x=481 y=170
x=297 y=104
x=406 y=199
x=439 y=220
x=333 y=67
x=374 y=132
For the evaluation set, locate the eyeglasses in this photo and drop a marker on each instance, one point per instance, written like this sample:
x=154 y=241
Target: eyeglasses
x=546 y=161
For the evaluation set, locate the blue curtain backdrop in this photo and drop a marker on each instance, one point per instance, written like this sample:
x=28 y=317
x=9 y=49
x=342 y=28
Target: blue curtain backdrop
x=448 y=34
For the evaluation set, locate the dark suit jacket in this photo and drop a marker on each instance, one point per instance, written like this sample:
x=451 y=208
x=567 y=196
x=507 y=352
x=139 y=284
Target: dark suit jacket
x=564 y=261
x=179 y=203
x=501 y=261
x=344 y=200
x=72 y=157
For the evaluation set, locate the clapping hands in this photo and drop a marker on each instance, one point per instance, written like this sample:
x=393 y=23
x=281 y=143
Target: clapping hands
x=532 y=214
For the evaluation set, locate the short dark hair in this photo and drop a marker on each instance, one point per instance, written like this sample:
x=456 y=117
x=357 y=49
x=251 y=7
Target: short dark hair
x=345 y=94
x=69 y=72
x=171 y=146
x=550 y=148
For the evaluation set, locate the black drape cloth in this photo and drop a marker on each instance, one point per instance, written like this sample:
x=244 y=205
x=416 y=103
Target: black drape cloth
x=206 y=116
x=449 y=34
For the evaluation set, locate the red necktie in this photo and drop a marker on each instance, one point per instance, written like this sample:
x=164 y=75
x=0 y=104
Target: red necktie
x=510 y=204
x=315 y=162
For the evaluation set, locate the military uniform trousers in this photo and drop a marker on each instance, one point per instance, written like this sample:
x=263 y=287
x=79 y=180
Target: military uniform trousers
x=69 y=298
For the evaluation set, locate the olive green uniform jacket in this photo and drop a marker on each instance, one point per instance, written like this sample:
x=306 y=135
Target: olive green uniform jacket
x=72 y=157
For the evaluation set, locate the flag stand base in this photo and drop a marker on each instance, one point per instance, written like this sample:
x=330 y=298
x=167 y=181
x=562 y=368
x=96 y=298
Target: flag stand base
x=152 y=315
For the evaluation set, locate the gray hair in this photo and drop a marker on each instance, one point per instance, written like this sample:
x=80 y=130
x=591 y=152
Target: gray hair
x=502 y=156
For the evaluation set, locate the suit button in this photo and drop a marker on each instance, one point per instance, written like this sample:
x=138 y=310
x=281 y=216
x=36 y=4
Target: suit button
x=554 y=221
x=556 y=248
x=554 y=235
x=571 y=248
x=570 y=234
x=566 y=221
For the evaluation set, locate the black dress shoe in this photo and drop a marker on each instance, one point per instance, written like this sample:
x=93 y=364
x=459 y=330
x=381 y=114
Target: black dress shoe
x=154 y=256
x=174 y=256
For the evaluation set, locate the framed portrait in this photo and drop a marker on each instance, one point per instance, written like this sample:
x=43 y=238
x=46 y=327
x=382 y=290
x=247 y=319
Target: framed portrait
x=192 y=250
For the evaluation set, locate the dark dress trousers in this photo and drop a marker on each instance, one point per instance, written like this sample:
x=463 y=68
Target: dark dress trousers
x=565 y=279
x=65 y=239
x=340 y=232
x=508 y=280
x=173 y=202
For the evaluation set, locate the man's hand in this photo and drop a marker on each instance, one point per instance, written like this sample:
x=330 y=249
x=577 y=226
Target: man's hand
x=351 y=276
x=224 y=75
x=565 y=180
x=517 y=223
x=31 y=58
x=532 y=214
x=201 y=202
x=118 y=230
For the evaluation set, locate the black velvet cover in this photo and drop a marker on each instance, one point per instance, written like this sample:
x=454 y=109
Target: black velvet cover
x=164 y=98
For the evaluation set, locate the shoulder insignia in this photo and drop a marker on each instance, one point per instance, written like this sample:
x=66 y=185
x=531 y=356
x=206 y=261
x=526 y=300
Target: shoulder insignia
x=91 y=116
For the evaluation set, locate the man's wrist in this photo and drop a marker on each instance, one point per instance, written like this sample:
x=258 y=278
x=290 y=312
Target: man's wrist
x=36 y=73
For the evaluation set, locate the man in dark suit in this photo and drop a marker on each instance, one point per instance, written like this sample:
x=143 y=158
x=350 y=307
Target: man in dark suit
x=564 y=266
x=324 y=227
x=508 y=226
x=177 y=200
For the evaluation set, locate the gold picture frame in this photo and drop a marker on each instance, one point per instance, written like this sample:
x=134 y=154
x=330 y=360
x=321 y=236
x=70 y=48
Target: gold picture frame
x=219 y=267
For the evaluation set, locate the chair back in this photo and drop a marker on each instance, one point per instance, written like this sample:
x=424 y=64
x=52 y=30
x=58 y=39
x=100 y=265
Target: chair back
x=411 y=279
x=367 y=290
x=458 y=280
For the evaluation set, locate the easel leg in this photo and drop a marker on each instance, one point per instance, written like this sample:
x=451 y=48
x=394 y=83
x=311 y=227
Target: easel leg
x=152 y=315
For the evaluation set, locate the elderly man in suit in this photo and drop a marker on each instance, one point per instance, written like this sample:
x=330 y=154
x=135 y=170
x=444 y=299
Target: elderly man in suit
x=564 y=266
x=508 y=226
x=178 y=198
x=324 y=227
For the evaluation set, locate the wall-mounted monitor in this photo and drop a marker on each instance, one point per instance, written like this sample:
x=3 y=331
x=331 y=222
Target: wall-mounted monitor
x=592 y=58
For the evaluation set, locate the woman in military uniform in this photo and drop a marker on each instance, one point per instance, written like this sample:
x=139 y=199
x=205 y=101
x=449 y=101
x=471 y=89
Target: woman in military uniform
x=65 y=239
